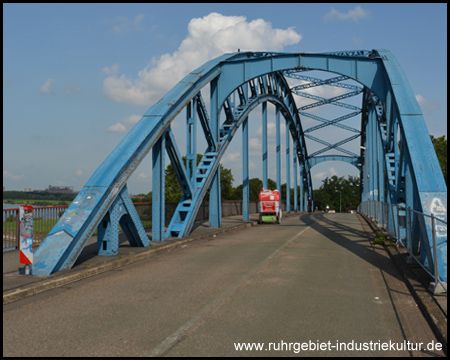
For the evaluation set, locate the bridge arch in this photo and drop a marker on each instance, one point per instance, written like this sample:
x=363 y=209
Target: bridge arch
x=355 y=161
x=271 y=88
x=237 y=84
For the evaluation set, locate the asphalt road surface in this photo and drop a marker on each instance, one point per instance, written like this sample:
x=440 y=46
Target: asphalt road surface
x=312 y=286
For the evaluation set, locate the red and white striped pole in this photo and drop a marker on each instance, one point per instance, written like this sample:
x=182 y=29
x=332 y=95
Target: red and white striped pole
x=26 y=236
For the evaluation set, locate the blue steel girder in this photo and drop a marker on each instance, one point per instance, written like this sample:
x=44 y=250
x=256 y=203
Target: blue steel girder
x=319 y=82
x=419 y=176
x=353 y=160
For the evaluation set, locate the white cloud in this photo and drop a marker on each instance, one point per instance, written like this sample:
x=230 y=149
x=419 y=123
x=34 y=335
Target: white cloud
x=111 y=70
x=323 y=174
x=119 y=127
x=123 y=24
x=320 y=175
x=143 y=176
x=255 y=144
x=71 y=89
x=6 y=174
x=233 y=157
x=426 y=105
x=207 y=38
x=272 y=129
x=132 y=119
x=332 y=171
x=355 y=14
x=47 y=87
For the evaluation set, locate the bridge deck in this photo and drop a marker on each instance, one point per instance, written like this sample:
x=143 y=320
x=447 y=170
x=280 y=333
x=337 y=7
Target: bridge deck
x=312 y=279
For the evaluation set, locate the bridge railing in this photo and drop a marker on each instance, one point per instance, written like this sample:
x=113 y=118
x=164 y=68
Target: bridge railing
x=45 y=217
x=401 y=223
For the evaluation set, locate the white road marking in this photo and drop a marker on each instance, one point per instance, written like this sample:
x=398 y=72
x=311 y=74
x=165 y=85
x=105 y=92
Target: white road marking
x=167 y=343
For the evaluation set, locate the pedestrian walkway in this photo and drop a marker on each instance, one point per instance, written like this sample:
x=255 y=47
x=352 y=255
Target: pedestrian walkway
x=90 y=263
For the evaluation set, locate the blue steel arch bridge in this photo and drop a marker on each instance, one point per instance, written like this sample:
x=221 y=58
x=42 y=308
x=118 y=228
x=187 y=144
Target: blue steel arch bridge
x=396 y=158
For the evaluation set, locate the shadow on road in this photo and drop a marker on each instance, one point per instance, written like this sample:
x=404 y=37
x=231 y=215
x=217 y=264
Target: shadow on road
x=357 y=241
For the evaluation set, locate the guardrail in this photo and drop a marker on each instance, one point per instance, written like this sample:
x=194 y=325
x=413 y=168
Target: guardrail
x=45 y=217
x=397 y=221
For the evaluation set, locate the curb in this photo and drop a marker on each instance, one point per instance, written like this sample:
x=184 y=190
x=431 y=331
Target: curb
x=424 y=299
x=66 y=276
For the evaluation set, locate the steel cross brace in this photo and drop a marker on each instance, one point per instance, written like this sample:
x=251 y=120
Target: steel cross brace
x=333 y=100
x=122 y=212
x=319 y=82
x=333 y=146
x=334 y=122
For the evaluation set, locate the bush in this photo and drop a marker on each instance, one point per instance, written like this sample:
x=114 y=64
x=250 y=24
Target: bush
x=380 y=238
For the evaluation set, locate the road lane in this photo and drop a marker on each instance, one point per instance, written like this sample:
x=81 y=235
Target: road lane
x=296 y=282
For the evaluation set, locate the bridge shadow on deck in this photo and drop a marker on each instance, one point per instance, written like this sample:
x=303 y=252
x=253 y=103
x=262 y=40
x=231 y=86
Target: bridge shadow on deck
x=359 y=242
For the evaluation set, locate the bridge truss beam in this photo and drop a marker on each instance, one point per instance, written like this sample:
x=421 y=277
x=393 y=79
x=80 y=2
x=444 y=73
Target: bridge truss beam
x=236 y=84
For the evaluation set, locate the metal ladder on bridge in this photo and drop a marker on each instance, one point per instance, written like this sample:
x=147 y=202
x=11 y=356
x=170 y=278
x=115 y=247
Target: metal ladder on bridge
x=185 y=209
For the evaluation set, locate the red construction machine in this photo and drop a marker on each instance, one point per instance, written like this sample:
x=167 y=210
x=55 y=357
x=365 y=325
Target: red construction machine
x=269 y=206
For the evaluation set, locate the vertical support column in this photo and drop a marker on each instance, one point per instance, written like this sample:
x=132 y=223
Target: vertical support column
x=294 y=155
x=365 y=167
x=372 y=153
x=376 y=153
x=191 y=140
x=188 y=139
x=215 y=206
x=245 y=173
x=158 y=189
x=381 y=166
x=264 y=150
x=278 y=150
x=288 y=171
x=301 y=188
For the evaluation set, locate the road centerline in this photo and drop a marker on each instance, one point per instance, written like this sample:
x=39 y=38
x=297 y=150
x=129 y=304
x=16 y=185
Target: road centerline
x=172 y=339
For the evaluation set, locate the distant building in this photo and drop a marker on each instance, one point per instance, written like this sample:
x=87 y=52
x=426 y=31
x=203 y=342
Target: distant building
x=27 y=190
x=58 y=190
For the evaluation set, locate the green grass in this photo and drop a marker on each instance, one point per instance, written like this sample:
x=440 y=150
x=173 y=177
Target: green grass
x=36 y=202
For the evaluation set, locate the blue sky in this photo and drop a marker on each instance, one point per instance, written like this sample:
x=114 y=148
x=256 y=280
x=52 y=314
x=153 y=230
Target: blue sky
x=76 y=77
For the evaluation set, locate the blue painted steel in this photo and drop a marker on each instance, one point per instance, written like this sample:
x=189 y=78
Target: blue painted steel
x=122 y=212
x=295 y=180
x=239 y=83
x=245 y=173
x=265 y=174
x=158 y=189
x=215 y=207
x=278 y=147
x=288 y=170
x=355 y=161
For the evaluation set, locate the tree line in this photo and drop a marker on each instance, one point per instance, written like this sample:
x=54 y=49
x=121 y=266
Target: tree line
x=31 y=195
x=336 y=192
x=325 y=195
